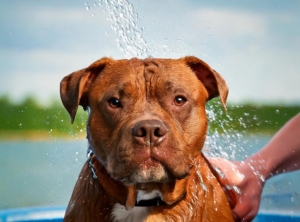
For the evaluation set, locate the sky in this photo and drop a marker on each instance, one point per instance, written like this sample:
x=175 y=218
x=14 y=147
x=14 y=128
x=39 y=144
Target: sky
x=254 y=45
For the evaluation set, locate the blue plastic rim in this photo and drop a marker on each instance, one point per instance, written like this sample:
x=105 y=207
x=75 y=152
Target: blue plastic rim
x=278 y=216
x=56 y=214
x=37 y=214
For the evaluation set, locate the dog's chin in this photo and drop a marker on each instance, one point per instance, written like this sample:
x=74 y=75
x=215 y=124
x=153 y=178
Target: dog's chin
x=147 y=172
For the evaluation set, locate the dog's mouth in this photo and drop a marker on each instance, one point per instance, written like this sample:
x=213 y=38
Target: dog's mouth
x=149 y=164
x=150 y=170
x=151 y=176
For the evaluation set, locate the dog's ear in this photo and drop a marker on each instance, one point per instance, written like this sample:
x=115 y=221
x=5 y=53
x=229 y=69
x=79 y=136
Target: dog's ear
x=74 y=87
x=213 y=82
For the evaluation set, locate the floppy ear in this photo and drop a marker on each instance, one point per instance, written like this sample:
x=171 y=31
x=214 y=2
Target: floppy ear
x=74 y=87
x=213 y=82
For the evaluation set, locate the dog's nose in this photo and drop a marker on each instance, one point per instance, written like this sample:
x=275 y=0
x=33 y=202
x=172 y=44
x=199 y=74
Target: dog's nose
x=149 y=132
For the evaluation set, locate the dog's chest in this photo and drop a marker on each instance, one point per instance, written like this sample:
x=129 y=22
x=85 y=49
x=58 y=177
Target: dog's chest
x=120 y=214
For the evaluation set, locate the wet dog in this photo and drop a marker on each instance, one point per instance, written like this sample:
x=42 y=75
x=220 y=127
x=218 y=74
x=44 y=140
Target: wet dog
x=146 y=127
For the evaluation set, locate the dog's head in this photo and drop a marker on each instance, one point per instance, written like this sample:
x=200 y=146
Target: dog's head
x=147 y=119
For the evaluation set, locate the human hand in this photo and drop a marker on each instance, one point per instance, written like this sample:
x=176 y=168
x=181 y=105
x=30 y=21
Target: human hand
x=242 y=185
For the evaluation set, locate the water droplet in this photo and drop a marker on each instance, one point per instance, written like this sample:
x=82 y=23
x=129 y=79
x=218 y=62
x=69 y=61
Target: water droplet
x=124 y=18
x=87 y=7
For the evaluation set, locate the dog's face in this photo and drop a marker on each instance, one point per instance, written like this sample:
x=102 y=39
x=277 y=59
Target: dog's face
x=147 y=119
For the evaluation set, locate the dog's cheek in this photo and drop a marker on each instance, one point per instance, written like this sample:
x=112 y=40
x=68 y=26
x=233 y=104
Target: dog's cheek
x=195 y=129
x=182 y=116
x=100 y=135
x=121 y=159
x=110 y=116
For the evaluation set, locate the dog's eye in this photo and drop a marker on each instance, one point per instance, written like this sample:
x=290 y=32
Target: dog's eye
x=114 y=103
x=179 y=100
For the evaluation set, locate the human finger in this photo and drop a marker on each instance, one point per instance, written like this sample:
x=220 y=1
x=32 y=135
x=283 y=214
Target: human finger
x=246 y=209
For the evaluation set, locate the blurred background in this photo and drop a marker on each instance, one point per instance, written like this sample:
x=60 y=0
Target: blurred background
x=254 y=45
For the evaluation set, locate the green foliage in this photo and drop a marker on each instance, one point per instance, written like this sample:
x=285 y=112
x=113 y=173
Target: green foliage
x=249 y=118
x=31 y=116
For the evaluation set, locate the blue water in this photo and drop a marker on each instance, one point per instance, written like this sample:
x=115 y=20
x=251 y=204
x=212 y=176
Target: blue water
x=44 y=174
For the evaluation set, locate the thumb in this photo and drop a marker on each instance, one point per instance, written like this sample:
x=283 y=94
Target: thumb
x=216 y=163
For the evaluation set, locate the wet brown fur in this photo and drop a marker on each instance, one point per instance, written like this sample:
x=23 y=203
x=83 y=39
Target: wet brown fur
x=146 y=89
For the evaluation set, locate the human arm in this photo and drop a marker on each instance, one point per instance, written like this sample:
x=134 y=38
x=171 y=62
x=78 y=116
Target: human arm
x=281 y=154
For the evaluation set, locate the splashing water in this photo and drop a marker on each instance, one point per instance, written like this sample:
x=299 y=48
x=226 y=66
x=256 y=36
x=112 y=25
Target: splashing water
x=222 y=144
x=257 y=173
x=124 y=18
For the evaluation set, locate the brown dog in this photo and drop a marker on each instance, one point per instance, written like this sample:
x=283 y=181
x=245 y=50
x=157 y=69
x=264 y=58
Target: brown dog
x=147 y=125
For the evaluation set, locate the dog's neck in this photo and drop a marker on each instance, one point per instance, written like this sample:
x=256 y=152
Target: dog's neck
x=129 y=196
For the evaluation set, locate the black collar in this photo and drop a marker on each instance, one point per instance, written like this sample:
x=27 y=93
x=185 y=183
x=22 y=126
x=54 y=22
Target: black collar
x=151 y=202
